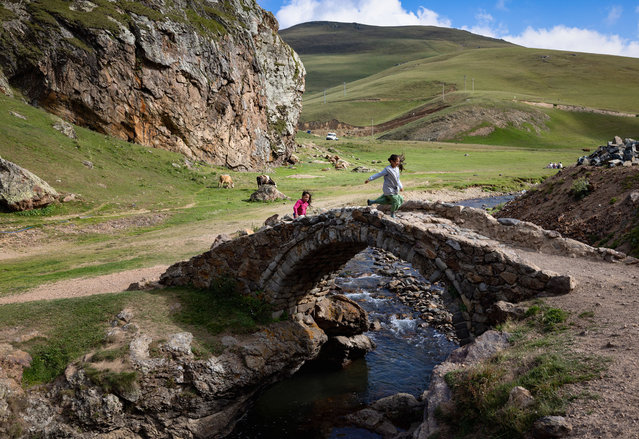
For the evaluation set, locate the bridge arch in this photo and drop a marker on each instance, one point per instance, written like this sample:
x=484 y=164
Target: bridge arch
x=293 y=262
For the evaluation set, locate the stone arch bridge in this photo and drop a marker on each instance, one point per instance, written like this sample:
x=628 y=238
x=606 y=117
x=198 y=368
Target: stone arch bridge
x=293 y=262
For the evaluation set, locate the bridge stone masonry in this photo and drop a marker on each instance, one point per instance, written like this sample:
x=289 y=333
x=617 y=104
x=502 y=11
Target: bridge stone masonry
x=292 y=264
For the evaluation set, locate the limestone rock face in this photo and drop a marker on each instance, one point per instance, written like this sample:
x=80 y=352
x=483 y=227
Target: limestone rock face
x=4 y=85
x=23 y=190
x=211 y=80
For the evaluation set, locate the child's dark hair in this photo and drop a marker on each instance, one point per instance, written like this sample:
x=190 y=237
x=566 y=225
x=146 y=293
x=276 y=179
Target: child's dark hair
x=310 y=197
x=401 y=160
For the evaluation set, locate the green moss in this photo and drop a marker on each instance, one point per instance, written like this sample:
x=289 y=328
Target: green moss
x=5 y=14
x=112 y=382
x=279 y=126
x=109 y=354
x=204 y=24
x=140 y=9
x=80 y=44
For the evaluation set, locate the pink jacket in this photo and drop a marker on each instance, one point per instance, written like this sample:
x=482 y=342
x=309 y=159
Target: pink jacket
x=299 y=208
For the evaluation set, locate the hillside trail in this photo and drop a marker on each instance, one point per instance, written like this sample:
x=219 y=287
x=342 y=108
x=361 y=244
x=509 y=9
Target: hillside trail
x=603 y=318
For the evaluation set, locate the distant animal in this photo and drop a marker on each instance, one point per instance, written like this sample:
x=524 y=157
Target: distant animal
x=264 y=179
x=225 y=181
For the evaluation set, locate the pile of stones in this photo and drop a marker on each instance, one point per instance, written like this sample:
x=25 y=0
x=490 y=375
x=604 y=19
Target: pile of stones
x=617 y=152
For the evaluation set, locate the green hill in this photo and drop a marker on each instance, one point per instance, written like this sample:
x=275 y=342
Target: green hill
x=334 y=53
x=468 y=89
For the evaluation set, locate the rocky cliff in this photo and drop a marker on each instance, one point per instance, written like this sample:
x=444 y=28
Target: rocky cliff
x=210 y=79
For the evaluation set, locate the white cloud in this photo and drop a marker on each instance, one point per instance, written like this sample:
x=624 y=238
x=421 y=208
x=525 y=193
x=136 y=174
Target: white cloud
x=579 y=40
x=614 y=15
x=373 y=12
x=484 y=26
x=483 y=17
x=501 y=4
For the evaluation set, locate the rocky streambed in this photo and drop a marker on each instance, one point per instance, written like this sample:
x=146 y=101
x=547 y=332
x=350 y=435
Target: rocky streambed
x=378 y=395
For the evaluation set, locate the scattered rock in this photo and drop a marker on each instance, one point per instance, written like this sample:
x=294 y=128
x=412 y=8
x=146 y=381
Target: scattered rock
x=268 y=193
x=551 y=427
x=502 y=311
x=364 y=169
x=617 y=152
x=219 y=239
x=65 y=128
x=126 y=315
x=520 y=398
x=18 y=115
x=339 y=315
x=271 y=220
x=22 y=190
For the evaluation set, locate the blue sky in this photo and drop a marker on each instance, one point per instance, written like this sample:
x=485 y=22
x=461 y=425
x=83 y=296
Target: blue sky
x=583 y=26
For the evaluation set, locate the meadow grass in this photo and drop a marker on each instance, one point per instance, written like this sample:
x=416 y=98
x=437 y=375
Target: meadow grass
x=502 y=78
x=539 y=358
x=70 y=328
x=129 y=181
x=334 y=53
x=558 y=77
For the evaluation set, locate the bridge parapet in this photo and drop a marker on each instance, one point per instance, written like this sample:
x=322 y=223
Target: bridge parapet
x=293 y=262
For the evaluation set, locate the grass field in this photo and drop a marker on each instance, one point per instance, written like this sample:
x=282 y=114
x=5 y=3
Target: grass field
x=139 y=207
x=334 y=53
x=129 y=181
x=366 y=75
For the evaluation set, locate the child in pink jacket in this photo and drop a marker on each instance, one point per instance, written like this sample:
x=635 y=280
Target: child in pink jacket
x=300 y=207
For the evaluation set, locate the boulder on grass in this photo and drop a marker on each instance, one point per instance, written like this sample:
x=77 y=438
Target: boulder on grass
x=23 y=190
x=268 y=192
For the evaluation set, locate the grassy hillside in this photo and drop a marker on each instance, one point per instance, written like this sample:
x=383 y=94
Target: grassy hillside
x=138 y=207
x=505 y=78
x=334 y=53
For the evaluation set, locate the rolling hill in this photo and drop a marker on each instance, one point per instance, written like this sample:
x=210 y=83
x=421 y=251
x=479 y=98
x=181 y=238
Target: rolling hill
x=428 y=83
x=334 y=53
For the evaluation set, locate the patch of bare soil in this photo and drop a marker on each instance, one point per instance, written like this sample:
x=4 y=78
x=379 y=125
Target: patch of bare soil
x=606 y=216
x=603 y=321
x=14 y=242
x=108 y=283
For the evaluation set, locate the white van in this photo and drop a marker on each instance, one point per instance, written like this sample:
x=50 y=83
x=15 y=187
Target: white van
x=331 y=136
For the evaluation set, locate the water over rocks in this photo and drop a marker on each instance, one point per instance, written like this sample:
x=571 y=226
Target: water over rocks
x=432 y=301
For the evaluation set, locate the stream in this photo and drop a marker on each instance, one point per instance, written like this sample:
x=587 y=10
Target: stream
x=310 y=404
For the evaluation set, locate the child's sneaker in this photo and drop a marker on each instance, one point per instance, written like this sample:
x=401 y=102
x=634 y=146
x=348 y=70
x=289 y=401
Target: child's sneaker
x=392 y=214
x=369 y=202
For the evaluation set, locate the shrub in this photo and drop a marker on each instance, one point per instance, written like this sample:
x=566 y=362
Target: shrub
x=580 y=188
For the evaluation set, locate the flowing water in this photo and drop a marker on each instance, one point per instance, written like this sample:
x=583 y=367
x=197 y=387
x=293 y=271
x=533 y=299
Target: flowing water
x=309 y=404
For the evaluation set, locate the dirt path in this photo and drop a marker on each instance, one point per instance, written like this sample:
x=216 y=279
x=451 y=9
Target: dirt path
x=28 y=244
x=611 y=292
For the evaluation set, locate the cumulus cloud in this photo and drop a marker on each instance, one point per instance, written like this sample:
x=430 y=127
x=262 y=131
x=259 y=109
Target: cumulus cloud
x=579 y=40
x=373 y=12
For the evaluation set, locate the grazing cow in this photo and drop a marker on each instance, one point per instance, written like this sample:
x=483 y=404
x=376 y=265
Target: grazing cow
x=264 y=179
x=225 y=181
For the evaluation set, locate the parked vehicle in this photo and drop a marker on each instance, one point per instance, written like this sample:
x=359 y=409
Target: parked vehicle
x=331 y=136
